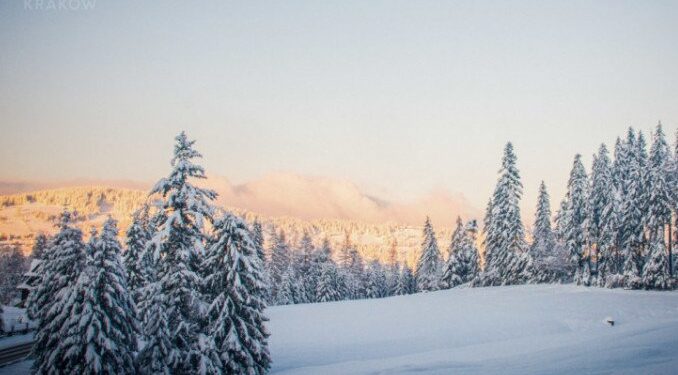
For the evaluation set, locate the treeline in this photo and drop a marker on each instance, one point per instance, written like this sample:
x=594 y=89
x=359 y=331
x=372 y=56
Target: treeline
x=614 y=228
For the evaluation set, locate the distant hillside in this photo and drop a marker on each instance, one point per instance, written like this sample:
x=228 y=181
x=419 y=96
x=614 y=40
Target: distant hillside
x=24 y=215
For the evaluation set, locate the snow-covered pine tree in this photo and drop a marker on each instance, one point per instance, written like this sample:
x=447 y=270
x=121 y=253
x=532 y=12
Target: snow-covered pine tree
x=302 y=265
x=178 y=239
x=100 y=334
x=643 y=193
x=236 y=293
x=457 y=237
x=600 y=211
x=543 y=237
x=660 y=194
x=407 y=284
x=63 y=264
x=258 y=238
x=470 y=256
x=428 y=266
x=290 y=291
x=376 y=281
x=280 y=261
x=505 y=234
x=330 y=286
x=40 y=245
x=655 y=271
x=137 y=239
x=454 y=270
x=154 y=358
x=576 y=212
x=631 y=217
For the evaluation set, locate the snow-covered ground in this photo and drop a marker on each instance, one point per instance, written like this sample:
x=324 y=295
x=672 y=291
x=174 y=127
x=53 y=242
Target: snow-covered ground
x=552 y=329
x=548 y=329
x=15 y=319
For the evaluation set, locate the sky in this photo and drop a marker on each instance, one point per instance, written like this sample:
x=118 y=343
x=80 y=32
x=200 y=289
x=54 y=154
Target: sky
x=398 y=97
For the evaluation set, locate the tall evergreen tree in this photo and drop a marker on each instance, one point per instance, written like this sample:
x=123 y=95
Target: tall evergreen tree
x=330 y=285
x=505 y=234
x=428 y=267
x=236 y=293
x=631 y=235
x=457 y=237
x=100 y=334
x=576 y=212
x=280 y=261
x=600 y=207
x=137 y=240
x=64 y=262
x=543 y=237
x=178 y=240
x=660 y=194
x=376 y=281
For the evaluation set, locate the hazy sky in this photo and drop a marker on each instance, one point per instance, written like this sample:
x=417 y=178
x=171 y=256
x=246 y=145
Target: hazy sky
x=400 y=97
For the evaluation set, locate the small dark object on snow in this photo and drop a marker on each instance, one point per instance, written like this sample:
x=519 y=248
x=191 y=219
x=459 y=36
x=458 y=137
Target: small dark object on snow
x=610 y=321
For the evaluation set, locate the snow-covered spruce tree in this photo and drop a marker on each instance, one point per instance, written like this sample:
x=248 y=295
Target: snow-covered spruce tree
x=655 y=271
x=457 y=237
x=376 y=281
x=470 y=256
x=258 y=238
x=453 y=270
x=63 y=264
x=280 y=262
x=40 y=245
x=660 y=194
x=428 y=266
x=100 y=334
x=319 y=257
x=504 y=233
x=236 y=294
x=177 y=240
x=600 y=211
x=549 y=264
x=302 y=265
x=407 y=284
x=630 y=231
x=291 y=290
x=330 y=286
x=137 y=239
x=154 y=358
x=543 y=237
x=576 y=214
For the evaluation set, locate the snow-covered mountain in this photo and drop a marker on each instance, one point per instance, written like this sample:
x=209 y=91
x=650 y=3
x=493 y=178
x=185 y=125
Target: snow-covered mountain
x=323 y=207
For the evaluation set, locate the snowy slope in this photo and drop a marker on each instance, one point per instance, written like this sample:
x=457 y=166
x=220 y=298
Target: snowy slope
x=503 y=330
